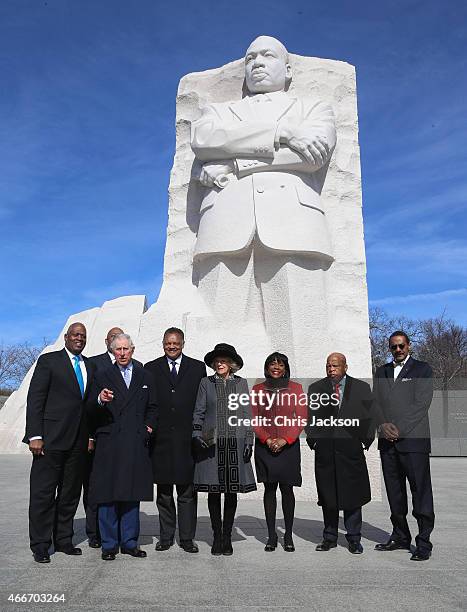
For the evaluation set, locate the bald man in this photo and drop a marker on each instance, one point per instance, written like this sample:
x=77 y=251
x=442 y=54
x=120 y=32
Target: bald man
x=57 y=436
x=340 y=426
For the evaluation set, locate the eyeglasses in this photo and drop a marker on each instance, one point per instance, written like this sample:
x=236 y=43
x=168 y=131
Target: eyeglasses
x=394 y=346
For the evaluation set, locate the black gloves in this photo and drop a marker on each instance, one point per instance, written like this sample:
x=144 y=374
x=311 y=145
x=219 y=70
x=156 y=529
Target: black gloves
x=247 y=452
x=199 y=444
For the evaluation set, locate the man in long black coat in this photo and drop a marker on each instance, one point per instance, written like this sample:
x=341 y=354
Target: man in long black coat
x=340 y=426
x=57 y=435
x=123 y=405
x=177 y=380
x=403 y=392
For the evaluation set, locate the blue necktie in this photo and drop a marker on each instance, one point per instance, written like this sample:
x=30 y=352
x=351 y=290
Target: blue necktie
x=126 y=377
x=79 y=375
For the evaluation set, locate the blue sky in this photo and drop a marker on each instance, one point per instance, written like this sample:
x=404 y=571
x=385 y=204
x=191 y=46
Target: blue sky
x=87 y=111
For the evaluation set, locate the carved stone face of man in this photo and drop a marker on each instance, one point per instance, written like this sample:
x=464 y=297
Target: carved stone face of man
x=266 y=66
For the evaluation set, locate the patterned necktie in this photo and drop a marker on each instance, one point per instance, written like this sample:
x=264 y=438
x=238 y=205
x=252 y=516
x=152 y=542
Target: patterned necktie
x=126 y=377
x=173 y=371
x=79 y=374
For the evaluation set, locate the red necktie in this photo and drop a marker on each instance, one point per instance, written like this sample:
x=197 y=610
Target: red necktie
x=338 y=393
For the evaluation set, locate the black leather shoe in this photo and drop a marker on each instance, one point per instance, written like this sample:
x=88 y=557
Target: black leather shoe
x=40 y=557
x=355 y=548
x=227 y=549
x=94 y=544
x=392 y=545
x=326 y=545
x=216 y=548
x=271 y=544
x=134 y=552
x=420 y=555
x=189 y=546
x=163 y=545
x=108 y=555
x=288 y=544
x=70 y=550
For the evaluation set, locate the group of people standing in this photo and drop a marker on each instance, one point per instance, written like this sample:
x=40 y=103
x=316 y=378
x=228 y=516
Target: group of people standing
x=114 y=426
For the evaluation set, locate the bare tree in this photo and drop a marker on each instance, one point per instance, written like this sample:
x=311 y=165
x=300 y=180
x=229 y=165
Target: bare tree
x=444 y=346
x=382 y=326
x=15 y=361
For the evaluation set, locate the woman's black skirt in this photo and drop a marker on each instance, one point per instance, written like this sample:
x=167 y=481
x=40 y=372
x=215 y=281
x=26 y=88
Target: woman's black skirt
x=278 y=467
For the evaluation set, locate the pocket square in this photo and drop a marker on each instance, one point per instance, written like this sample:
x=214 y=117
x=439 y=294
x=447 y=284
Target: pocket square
x=405 y=379
x=145 y=386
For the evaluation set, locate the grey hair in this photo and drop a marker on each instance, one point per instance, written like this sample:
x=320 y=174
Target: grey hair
x=121 y=337
x=233 y=366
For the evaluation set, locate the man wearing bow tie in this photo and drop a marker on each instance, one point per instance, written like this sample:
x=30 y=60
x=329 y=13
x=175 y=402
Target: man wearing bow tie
x=123 y=405
x=403 y=392
x=177 y=379
x=57 y=435
x=262 y=225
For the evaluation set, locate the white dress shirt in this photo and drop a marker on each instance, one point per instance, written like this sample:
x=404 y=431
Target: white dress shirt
x=398 y=366
x=178 y=361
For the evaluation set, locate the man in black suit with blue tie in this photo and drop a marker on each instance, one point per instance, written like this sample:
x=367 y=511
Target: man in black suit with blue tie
x=177 y=379
x=57 y=435
x=403 y=391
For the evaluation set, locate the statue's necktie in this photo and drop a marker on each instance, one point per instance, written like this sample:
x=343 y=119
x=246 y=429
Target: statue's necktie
x=79 y=374
x=173 y=371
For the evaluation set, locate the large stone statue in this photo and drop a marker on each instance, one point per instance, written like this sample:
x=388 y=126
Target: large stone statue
x=262 y=227
x=264 y=246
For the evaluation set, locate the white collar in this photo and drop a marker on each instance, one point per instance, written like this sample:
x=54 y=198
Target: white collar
x=401 y=364
x=72 y=355
x=178 y=361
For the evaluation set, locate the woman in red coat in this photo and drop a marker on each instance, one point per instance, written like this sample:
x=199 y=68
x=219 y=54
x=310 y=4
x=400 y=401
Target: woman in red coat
x=279 y=406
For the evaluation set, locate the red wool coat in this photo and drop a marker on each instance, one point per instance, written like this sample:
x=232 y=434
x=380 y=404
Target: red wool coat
x=287 y=415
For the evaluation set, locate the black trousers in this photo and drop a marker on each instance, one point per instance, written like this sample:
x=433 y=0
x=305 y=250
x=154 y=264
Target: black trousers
x=397 y=469
x=92 y=521
x=55 y=489
x=187 y=504
x=352 y=522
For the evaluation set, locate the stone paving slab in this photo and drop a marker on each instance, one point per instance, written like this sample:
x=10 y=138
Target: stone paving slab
x=251 y=579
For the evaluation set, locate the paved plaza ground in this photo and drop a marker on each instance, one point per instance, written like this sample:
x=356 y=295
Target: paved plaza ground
x=251 y=578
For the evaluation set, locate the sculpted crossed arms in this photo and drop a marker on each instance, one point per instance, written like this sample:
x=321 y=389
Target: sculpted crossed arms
x=301 y=141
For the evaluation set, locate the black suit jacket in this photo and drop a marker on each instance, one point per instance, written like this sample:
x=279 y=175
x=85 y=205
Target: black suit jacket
x=55 y=408
x=405 y=402
x=172 y=455
x=122 y=465
x=340 y=467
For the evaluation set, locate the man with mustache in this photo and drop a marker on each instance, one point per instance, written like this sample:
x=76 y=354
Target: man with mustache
x=403 y=390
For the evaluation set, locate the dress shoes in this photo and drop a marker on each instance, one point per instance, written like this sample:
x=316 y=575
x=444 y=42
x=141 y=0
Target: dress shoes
x=271 y=544
x=134 y=552
x=326 y=545
x=163 y=545
x=108 y=555
x=420 y=555
x=94 y=543
x=392 y=545
x=355 y=548
x=41 y=557
x=288 y=544
x=70 y=550
x=189 y=546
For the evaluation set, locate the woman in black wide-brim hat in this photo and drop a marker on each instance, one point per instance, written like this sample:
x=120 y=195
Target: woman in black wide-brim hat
x=223 y=444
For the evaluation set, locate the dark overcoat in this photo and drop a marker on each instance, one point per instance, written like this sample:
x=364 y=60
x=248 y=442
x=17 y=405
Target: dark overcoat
x=122 y=465
x=340 y=467
x=172 y=457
